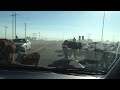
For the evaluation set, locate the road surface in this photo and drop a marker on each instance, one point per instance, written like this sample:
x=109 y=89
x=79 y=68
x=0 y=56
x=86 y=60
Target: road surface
x=51 y=54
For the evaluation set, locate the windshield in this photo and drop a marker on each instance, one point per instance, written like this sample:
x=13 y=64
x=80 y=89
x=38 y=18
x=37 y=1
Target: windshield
x=19 y=40
x=87 y=40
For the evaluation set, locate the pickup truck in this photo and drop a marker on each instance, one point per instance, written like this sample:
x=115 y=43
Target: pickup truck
x=22 y=44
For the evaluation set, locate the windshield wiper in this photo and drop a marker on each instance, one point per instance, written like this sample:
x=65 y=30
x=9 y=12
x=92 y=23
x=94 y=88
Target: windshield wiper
x=80 y=71
x=22 y=67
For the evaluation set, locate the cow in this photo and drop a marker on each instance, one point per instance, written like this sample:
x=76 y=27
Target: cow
x=70 y=47
x=32 y=58
x=65 y=49
x=7 y=51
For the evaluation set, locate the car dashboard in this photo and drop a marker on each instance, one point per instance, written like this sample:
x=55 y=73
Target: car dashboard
x=6 y=74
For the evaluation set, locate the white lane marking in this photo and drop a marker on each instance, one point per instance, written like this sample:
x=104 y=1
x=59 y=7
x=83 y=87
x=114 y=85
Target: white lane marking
x=79 y=64
x=72 y=57
x=37 y=49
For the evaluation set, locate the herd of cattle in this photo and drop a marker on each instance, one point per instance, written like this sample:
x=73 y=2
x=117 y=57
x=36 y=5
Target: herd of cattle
x=94 y=53
x=7 y=53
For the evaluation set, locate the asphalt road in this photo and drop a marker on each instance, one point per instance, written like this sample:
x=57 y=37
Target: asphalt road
x=52 y=54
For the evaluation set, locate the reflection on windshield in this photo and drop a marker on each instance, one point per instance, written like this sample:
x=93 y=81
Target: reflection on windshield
x=61 y=39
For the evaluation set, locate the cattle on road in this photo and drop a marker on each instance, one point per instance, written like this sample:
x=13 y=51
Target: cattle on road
x=7 y=51
x=32 y=58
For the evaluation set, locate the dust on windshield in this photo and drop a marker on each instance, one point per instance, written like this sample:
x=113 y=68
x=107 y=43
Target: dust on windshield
x=61 y=39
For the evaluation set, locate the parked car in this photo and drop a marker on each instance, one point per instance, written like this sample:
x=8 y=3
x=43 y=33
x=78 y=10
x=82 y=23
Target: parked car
x=22 y=44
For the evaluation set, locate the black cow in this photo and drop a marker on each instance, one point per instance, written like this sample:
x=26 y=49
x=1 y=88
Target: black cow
x=74 y=45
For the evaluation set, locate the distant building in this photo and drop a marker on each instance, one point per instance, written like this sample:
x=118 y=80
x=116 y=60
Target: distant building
x=79 y=37
x=82 y=37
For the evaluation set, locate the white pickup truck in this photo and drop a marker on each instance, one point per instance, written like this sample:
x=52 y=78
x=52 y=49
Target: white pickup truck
x=22 y=44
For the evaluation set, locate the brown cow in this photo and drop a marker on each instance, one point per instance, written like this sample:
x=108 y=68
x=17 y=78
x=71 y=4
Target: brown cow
x=7 y=50
x=32 y=58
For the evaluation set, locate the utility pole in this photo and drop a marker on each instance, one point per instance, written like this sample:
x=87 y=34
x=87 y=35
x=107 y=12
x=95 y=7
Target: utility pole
x=5 y=31
x=39 y=35
x=15 y=24
x=103 y=26
x=12 y=25
x=34 y=35
x=63 y=36
x=25 y=29
x=42 y=36
x=88 y=36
